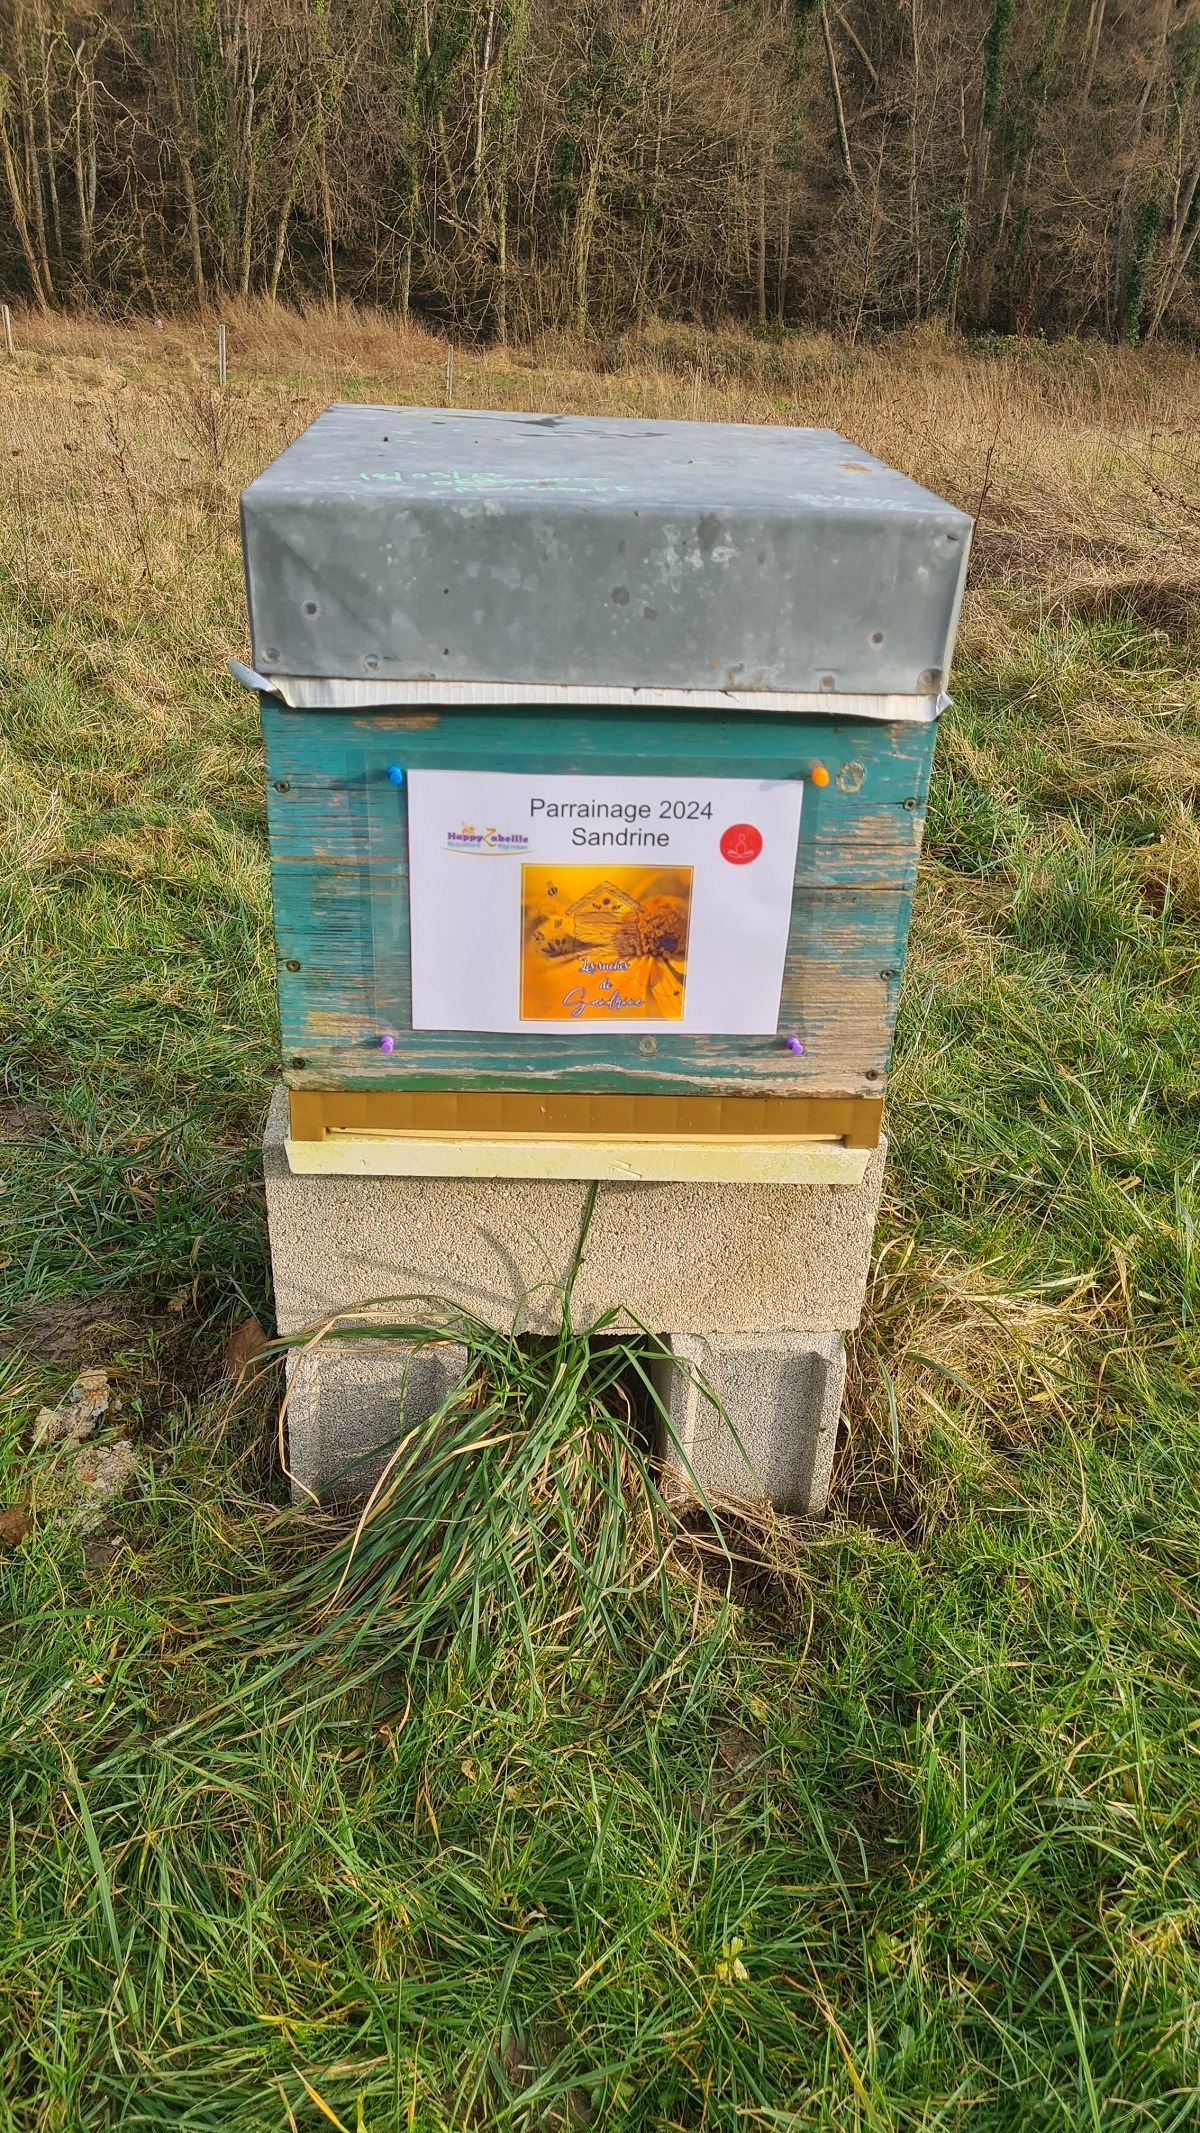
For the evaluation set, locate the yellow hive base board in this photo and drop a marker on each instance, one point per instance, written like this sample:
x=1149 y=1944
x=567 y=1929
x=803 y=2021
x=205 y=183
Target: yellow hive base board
x=564 y=1114
x=784 y=1160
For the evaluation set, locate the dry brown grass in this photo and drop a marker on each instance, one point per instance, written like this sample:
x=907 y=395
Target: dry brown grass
x=952 y=1376
x=1082 y=460
x=120 y=462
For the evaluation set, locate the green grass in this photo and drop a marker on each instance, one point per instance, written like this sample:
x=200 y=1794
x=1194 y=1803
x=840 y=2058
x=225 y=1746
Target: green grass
x=904 y=1832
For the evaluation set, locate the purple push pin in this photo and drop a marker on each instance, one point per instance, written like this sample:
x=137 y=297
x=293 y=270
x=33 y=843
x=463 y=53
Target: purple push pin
x=387 y=1042
x=794 y=1044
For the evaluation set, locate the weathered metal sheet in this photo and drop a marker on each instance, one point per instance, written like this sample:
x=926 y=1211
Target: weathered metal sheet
x=306 y=692
x=408 y=544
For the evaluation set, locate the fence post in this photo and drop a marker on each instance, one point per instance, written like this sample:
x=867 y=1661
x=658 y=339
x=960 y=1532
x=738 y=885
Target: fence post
x=8 y=339
x=450 y=377
x=220 y=355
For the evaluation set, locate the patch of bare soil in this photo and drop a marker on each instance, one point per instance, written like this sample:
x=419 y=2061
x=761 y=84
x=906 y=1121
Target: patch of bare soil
x=24 y=1122
x=73 y=1329
x=165 y=1357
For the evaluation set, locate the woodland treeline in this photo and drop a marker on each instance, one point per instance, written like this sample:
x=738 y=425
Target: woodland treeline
x=513 y=166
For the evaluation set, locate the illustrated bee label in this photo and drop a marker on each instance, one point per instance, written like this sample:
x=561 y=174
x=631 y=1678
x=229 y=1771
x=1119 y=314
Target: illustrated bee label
x=584 y=904
x=605 y=946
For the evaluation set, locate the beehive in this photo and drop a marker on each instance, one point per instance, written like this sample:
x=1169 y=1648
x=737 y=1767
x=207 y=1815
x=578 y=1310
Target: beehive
x=648 y=616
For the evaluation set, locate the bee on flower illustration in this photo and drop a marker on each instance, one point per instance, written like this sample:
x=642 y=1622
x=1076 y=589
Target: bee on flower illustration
x=609 y=948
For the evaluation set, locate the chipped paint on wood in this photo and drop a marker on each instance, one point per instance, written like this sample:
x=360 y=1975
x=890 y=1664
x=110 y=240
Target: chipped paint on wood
x=339 y=874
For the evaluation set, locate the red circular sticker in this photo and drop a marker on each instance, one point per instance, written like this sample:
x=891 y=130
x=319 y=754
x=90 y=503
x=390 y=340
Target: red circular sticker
x=741 y=843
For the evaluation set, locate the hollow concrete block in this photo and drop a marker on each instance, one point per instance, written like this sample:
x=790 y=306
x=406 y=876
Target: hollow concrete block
x=770 y=1432
x=349 y=1401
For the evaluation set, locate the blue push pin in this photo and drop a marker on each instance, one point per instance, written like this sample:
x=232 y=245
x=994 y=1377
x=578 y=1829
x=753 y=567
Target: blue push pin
x=395 y=774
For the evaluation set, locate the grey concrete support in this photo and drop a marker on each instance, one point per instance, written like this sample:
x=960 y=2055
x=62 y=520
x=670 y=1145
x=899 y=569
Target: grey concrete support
x=772 y=1437
x=346 y=1399
x=754 y=1284
x=703 y=1258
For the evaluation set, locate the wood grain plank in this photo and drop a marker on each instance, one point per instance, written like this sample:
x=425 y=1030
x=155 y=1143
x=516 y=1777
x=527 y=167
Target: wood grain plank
x=339 y=875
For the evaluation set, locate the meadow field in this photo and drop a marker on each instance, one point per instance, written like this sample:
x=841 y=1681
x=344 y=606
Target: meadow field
x=889 y=1822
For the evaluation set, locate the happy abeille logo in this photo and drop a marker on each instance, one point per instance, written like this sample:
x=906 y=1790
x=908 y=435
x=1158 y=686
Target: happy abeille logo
x=490 y=842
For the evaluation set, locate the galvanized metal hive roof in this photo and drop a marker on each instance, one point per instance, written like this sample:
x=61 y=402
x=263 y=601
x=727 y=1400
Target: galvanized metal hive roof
x=425 y=546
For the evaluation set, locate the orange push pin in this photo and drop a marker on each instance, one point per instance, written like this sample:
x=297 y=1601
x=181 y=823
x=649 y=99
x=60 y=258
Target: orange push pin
x=818 y=773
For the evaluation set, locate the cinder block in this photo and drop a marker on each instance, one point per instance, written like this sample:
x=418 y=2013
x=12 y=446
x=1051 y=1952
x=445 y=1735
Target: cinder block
x=781 y=1394
x=751 y=1287
x=349 y=1399
x=679 y=1256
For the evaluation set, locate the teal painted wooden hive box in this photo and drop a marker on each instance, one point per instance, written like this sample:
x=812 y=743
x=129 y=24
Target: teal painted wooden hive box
x=597 y=760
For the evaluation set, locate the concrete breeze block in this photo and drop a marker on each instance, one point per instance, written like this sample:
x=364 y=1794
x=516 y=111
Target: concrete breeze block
x=674 y=1257
x=347 y=1399
x=750 y=1287
x=782 y=1394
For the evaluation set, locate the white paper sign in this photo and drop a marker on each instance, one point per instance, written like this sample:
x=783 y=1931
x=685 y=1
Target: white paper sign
x=580 y=903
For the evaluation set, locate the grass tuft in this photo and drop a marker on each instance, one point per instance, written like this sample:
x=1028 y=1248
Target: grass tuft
x=523 y=1517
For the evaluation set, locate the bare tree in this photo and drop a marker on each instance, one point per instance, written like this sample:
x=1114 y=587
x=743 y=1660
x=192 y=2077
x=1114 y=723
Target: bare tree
x=506 y=165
